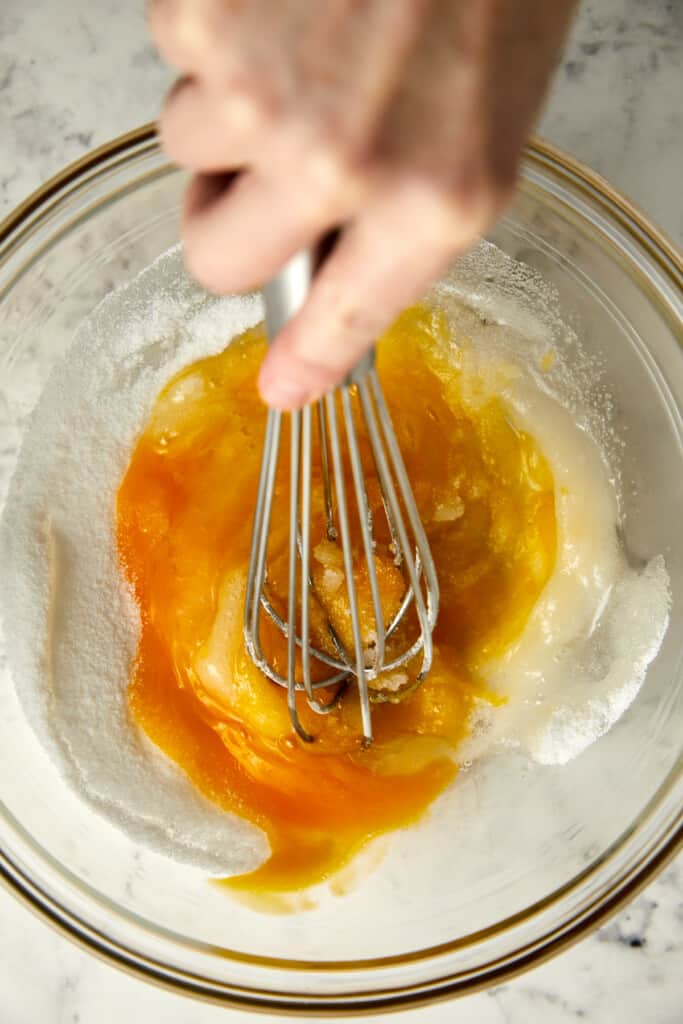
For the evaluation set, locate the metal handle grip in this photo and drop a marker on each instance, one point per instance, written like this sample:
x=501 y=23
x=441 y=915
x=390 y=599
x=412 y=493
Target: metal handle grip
x=285 y=294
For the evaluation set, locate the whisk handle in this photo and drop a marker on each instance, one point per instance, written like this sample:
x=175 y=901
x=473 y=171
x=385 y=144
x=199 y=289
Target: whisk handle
x=286 y=293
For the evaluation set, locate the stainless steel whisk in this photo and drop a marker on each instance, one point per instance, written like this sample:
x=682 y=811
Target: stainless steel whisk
x=360 y=665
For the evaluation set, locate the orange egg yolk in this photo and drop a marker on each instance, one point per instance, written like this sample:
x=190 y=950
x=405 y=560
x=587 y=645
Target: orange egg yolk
x=184 y=515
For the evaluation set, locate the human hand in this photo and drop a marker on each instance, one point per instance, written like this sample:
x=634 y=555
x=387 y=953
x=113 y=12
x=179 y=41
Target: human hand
x=402 y=120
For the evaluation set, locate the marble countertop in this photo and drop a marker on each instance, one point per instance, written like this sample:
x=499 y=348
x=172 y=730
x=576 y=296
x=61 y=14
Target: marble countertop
x=76 y=73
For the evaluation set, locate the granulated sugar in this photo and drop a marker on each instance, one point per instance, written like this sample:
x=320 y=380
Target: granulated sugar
x=598 y=624
x=74 y=626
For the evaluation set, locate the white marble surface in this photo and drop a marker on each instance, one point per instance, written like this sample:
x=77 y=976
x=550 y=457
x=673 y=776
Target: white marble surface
x=75 y=73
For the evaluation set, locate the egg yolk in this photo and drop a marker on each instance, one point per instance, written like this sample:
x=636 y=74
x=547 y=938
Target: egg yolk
x=184 y=515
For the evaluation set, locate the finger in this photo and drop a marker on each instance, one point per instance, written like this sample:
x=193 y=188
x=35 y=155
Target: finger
x=237 y=237
x=206 y=130
x=185 y=33
x=382 y=263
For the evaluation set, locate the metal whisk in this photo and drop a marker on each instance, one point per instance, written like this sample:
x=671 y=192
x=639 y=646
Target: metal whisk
x=359 y=404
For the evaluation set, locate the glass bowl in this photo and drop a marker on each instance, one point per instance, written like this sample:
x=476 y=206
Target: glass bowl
x=528 y=858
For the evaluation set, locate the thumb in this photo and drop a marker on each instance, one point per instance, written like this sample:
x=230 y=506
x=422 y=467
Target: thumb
x=382 y=263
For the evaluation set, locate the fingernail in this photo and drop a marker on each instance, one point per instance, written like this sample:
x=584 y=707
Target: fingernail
x=283 y=392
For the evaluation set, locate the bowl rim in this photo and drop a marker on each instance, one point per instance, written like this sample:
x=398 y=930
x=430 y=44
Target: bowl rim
x=537 y=150
x=667 y=256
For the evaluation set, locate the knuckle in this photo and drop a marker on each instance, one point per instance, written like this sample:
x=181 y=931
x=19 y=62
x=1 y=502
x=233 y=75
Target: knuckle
x=337 y=170
x=330 y=161
x=315 y=207
x=478 y=195
x=455 y=211
x=248 y=106
x=435 y=212
x=205 y=259
x=201 y=264
x=359 y=322
x=176 y=28
x=187 y=32
x=199 y=255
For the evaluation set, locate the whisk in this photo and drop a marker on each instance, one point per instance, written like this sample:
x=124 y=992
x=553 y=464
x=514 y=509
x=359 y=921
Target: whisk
x=354 y=409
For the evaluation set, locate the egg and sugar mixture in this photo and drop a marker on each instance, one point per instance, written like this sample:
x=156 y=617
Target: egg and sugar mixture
x=124 y=541
x=486 y=496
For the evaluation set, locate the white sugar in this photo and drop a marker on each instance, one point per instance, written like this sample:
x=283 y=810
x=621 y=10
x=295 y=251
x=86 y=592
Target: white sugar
x=74 y=626
x=608 y=669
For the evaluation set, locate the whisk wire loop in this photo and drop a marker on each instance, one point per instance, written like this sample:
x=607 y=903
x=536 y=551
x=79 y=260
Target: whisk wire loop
x=259 y=540
x=353 y=425
x=427 y=617
x=365 y=519
x=295 y=463
x=345 y=534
